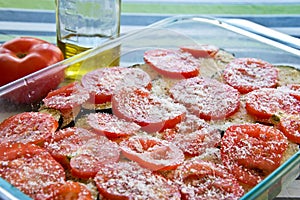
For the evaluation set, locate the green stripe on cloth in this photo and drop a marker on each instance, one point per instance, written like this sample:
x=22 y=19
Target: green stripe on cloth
x=172 y=8
x=28 y=4
x=211 y=8
x=3 y=38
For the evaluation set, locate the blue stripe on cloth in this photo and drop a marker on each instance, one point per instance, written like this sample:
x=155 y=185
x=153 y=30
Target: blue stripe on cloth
x=47 y=16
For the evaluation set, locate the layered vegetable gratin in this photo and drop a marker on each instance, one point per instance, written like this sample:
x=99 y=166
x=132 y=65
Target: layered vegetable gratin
x=190 y=123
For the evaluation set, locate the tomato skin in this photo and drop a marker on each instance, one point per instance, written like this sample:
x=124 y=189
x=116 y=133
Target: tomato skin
x=193 y=143
x=67 y=97
x=67 y=141
x=82 y=151
x=149 y=111
x=201 y=51
x=193 y=136
x=111 y=126
x=207 y=98
x=152 y=153
x=252 y=151
x=293 y=89
x=290 y=126
x=28 y=127
x=198 y=179
x=172 y=63
x=248 y=74
x=93 y=155
x=22 y=56
x=103 y=82
x=36 y=88
x=267 y=102
x=69 y=190
x=127 y=180
x=29 y=168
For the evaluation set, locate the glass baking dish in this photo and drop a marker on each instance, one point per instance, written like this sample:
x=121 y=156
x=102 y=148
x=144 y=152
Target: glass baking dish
x=170 y=33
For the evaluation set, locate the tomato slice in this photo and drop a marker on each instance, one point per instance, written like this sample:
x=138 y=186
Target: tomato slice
x=206 y=98
x=290 y=126
x=127 y=180
x=196 y=143
x=93 y=155
x=172 y=63
x=111 y=126
x=66 y=142
x=293 y=89
x=68 y=190
x=200 y=179
x=82 y=151
x=266 y=102
x=252 y=151
x=102 y=83
x=29 y=168
x=193 y=136
x=248 y=74
x=28 y=127
x=151 y=112
x=201 y=51
x=66 y=98
x=152 y=153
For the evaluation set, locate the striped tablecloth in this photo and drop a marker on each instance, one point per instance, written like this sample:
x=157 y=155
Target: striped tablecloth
x=41 y=23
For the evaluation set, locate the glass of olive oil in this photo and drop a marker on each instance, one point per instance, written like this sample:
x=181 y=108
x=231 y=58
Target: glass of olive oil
x=84 y=24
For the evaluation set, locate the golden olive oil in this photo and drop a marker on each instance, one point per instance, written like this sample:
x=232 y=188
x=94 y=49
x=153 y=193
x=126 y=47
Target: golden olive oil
x=104 y=59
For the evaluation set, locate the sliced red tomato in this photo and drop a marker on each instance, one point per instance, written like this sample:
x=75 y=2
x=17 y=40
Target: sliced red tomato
x=82 y=151
x=290 y=126
x=193 y=136
x=151 y=112
x=66 y=142
x=93 y=155
x=191 y=123
x=111 y=126
x=172 y=63
x=29 y=168
x=266 y=102
x=200 y=179
x=293 y=89
x=201 y=51
x=66 y=98
x=248 y=74
x=102 y=83
x=196 y=143
x=206 y=98
x=69 y=190
x=28 y=127
x=127 y=180
x=152 y=153
x=252 y=151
